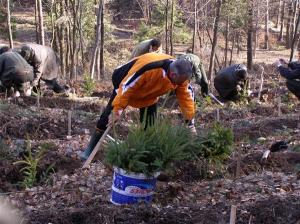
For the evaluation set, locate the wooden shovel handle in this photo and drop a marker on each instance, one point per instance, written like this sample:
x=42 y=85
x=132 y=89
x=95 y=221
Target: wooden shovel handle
x=97 y=147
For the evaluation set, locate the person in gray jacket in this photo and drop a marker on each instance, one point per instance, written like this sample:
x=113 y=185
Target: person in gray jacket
x=147 y=46
x=45 y=65
x=15 y=72
x=230 y=81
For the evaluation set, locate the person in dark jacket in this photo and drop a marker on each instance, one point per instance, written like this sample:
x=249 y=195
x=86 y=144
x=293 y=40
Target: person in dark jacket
x=230 y=81
x=139 y=83
x=15 y=72
x=45 y=65
x=198 y=71
x=290 y=71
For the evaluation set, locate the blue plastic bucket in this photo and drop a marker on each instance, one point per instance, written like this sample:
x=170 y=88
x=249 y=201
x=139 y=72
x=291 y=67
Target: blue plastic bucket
x=130 y=188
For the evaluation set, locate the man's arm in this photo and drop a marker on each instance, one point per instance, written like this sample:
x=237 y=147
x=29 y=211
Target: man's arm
x=185 y=97
x=289 y=74
x=37 y=69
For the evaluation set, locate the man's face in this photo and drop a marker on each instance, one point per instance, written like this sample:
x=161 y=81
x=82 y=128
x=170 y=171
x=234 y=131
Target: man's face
x=177 y=79
x=298 y=55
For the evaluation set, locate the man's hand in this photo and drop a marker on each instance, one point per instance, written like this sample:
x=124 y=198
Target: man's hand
x=278 y=63
x=193 y=129
x=114 y=117
x=239 y=88
x=282 y=61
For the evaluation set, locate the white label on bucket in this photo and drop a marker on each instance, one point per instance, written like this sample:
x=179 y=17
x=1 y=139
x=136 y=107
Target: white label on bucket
x=134 y=190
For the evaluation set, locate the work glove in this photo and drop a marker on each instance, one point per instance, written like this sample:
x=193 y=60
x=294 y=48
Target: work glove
x=204 y=89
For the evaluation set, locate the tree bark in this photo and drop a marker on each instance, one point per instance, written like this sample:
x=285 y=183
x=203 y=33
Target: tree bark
x=41 y=23
x=226 y=40
x=215 y=39
x=250 y=35
x=97 y=40
x=195 y=27
x=166 y=27
x=10 y=36
x=278 y=14
x=231 y=51
x=288 y=26
x=102 y=43
x=256 y=29
x=36 y=18
x=281 y=22
x=171 y=28
x=267 y=26
x=295 y=37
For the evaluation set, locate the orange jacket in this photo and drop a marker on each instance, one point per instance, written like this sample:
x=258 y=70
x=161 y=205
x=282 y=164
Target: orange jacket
x=142 y=86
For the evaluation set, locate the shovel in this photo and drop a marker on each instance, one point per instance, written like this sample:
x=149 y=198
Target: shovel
x=97 y=147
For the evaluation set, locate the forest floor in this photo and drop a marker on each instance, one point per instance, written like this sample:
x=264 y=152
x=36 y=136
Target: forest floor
x=265 y=193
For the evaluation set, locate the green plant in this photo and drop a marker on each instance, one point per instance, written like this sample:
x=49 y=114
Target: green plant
x=31 y=163
x=216 y=145
x=88 y=85
x=151 y=150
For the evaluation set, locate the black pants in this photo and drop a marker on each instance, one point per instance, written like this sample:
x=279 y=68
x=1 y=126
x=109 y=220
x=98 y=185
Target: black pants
x=294 y=86
x=147 y=114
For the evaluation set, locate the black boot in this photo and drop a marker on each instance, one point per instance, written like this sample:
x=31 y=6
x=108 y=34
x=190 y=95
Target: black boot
x=93 y=142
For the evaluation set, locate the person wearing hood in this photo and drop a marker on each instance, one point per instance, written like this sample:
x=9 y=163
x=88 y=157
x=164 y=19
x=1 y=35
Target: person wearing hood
x=230 y=81
x=15 y=72
x=291 y=72
x=46 y=66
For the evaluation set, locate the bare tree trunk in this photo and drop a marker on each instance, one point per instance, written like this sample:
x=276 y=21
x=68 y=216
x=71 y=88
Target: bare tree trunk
x=97 y=40
x=231 y=51
x=281 y=22
x=102 y=43
x=62 y=42
x=172 y=27
x=278 y=14
x=250 y=35
x=226 y=40
x=256 y=31
x=166 y=28
x=36 y=18
x=52 y=24
x=211 y=42
x=294 y=19
x=11 y=43
x=41 y=22
x=215 y=39
x=195 y=27
x=267 y=26
x=295 y=37
x=288 y=26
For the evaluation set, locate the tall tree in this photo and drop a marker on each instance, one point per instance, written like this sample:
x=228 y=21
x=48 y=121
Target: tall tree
x=166 y=27
x=11 y=44
x=267 y=25
x=295 y=36
x=172 y=27
x=250 y=35
x=289 y=25
x=36 y=18
x=215 y=40
x=97 y=40
x=280 y=38
x=195 y=26
x=41 y=22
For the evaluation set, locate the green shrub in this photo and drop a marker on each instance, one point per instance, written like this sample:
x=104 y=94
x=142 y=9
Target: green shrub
x=216 y=145
x=151 y=150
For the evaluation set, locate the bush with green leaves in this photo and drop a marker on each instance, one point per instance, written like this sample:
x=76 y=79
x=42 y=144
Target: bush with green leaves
x=156 y=148
x=151 y=150
x=215 y=145
x=30 y=165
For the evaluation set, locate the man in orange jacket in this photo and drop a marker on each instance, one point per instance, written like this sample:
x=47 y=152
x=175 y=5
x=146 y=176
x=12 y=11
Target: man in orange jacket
x=139 y=83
